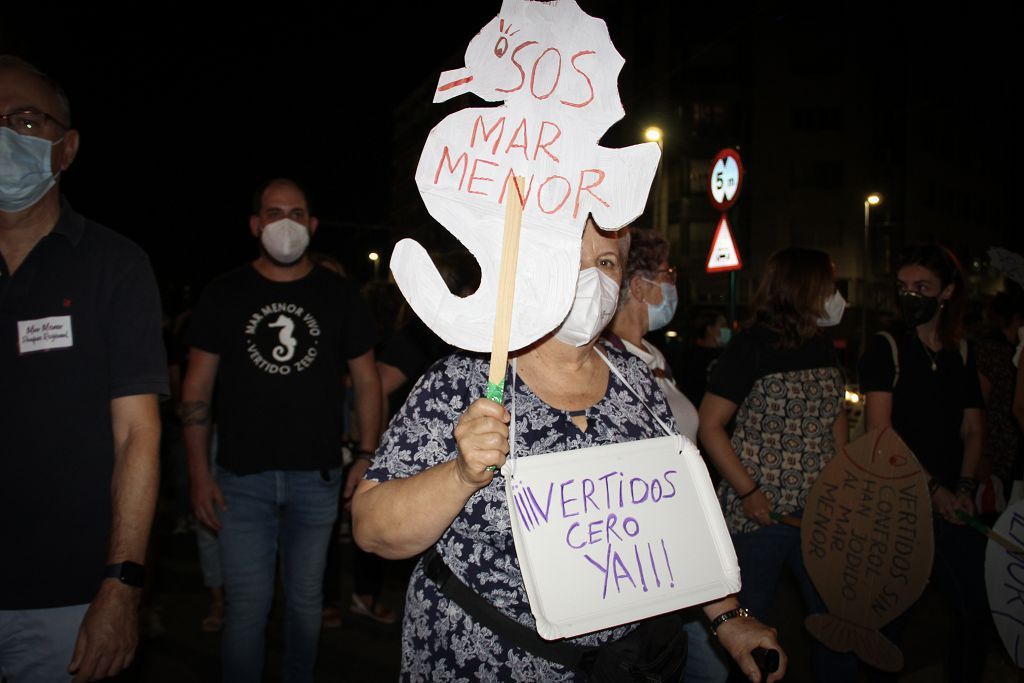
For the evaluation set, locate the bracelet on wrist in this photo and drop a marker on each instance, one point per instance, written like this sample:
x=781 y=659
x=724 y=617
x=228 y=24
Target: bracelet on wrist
x=933 y=486
x=364 y=454
x=750 y=492
x=717 y=622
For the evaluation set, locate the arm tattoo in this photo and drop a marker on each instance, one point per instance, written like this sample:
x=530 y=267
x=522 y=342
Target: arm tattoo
x=195 y=414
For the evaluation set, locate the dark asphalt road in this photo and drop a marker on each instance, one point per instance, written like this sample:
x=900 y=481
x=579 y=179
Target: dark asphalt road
x=363 y=650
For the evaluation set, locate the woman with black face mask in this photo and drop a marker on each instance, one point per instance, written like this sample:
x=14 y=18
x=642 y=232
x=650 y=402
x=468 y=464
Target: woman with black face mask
x=920 y=379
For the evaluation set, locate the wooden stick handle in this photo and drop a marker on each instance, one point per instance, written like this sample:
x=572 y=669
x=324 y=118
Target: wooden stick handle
x=506 y=288
x=977 y=525
x=785 y=519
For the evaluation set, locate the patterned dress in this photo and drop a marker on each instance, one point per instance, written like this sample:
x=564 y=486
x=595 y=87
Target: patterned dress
x=440 y=642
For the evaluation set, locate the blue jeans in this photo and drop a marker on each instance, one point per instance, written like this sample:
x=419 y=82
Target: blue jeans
x=206 y=540
x=706 y=660
x=762 y=555
x=290 y=512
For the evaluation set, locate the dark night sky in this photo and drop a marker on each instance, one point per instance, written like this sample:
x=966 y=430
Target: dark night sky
x=183 y=111
x=184 y=108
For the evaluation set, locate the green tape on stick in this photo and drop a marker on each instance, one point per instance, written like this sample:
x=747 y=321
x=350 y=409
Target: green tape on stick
x=496 y=392
x=972 y=522
x=977 y=525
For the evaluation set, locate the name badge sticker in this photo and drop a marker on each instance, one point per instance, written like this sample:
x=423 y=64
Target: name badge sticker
x=44 y=334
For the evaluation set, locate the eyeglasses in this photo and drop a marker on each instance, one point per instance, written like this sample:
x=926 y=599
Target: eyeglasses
x=29 y=122
x=669 y=274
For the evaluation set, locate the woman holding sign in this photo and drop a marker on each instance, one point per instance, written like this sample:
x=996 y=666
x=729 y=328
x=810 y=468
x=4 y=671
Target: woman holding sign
x=920 y=379
x=781 y=379
x=432 y=488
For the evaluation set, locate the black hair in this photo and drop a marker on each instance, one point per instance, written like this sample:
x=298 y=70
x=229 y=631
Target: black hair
x=257 y=198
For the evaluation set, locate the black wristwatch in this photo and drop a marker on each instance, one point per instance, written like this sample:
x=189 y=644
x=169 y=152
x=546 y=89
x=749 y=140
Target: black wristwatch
x=130 y=573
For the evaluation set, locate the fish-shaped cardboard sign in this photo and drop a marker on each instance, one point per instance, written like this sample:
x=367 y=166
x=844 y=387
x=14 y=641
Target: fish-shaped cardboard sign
x=555 y=71
x=868 y=544
x=1004 y=581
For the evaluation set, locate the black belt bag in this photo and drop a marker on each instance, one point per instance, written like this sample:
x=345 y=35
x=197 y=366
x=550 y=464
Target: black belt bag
x=654 y=651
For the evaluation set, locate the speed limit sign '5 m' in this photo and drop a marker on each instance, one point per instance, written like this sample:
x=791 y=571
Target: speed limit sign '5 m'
x=725 y=179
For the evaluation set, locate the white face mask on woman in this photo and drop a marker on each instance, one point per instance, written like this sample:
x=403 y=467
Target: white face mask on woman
x=834 y=307
x=285 y=240
x=597 y=297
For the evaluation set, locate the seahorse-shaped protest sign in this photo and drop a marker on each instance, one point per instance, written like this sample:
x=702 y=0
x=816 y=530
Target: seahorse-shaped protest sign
x=555 y=70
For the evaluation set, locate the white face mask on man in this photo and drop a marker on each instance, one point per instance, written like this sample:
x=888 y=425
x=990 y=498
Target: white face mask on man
x=597 y=297
x=285 y=240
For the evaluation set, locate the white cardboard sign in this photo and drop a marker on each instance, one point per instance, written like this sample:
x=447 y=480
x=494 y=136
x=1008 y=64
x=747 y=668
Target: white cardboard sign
x=1004 y=581
x=614 y=534
x=555 y=70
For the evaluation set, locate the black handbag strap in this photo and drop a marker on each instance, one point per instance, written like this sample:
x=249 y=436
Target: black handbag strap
x=566 y=654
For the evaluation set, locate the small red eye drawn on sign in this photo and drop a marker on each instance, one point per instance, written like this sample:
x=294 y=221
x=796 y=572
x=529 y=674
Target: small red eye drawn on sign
x=898 y=460
x=67 y=303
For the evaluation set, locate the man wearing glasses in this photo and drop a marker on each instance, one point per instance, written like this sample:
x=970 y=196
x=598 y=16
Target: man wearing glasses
x=81 y=368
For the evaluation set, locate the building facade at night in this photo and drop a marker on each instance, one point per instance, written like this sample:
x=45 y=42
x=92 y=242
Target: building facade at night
x=825 y=108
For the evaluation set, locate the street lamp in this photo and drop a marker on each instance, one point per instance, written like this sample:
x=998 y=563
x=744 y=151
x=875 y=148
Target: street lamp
x=375 y=257
x=655 y=134
x=873 y=199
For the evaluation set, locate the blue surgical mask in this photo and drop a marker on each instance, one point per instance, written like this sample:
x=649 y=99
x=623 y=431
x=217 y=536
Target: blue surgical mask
x=659 y=315
x=25 y=173
x=724 y=335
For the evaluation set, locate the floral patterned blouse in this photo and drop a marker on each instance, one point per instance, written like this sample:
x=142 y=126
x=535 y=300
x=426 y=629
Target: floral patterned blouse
x=440 y=642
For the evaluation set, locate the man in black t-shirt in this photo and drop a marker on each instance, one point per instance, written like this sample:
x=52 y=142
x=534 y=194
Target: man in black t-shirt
x=275 y=337
x=81 y=367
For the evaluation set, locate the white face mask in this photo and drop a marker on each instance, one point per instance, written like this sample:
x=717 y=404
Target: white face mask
x=834 y=307
x=285 y=240
x=597 y=297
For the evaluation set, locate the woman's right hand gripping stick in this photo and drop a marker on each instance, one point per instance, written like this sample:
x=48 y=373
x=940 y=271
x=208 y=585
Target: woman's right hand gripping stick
x=482 y=438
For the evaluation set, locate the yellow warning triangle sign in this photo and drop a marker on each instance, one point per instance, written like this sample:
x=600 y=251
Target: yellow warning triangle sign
x=724 y=255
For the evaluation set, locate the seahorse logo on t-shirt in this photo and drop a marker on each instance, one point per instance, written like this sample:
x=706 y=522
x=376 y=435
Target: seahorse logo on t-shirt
x=282 y=338
x=286 y=349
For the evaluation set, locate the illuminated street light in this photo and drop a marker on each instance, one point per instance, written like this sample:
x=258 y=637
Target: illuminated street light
x=375 y=257
x=873 y=199
x=655 y=134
